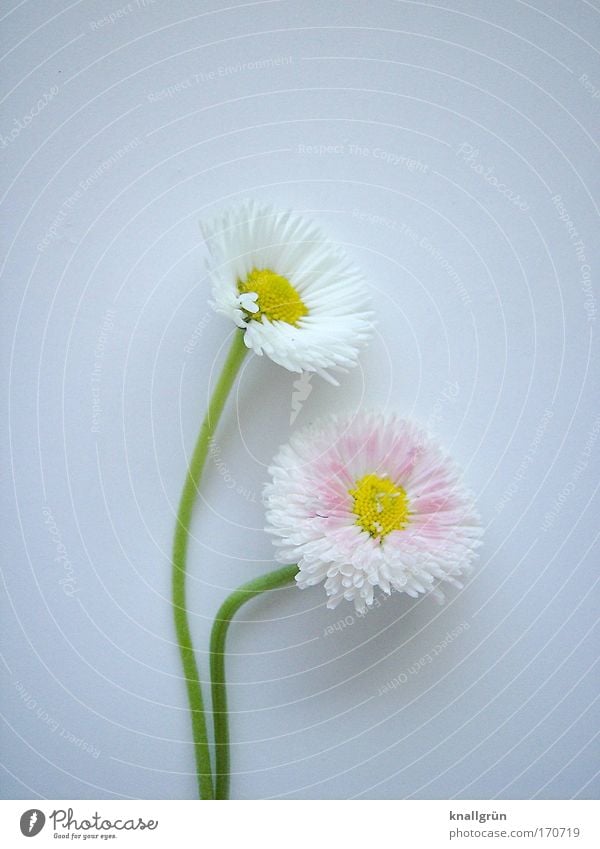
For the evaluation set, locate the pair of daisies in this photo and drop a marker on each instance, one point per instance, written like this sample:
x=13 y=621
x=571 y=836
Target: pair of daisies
x=358 y=502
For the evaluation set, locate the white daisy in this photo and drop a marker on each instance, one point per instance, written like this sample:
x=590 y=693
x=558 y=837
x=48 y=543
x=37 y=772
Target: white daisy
x=295 y=294
x=370 y=501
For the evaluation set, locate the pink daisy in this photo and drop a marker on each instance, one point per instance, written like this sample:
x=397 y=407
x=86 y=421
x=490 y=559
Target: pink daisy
x=370 y=501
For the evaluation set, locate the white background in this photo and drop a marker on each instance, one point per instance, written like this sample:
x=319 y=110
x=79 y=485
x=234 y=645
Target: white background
x=424 y=823
x=486 y=333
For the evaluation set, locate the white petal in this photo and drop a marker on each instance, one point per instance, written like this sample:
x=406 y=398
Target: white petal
x=339 y=321
x=310 y=518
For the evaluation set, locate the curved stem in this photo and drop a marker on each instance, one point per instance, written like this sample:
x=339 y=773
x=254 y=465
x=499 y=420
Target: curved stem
x=271 y=581
x=180 y=546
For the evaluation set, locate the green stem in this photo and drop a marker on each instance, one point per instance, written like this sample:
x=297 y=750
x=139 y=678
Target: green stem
x=180 y=547
x=271 y=581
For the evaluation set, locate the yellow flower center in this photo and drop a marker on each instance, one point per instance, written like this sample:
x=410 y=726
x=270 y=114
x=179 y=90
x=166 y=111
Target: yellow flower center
x=380 y=506
x=277 y=299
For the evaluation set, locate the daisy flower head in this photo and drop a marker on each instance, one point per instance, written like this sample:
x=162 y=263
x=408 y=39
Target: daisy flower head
x=294 y=293
x=370 y=501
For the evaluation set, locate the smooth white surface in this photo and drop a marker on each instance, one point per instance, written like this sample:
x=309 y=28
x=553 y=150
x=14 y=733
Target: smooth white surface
x=485 y=332
x=423 y=823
